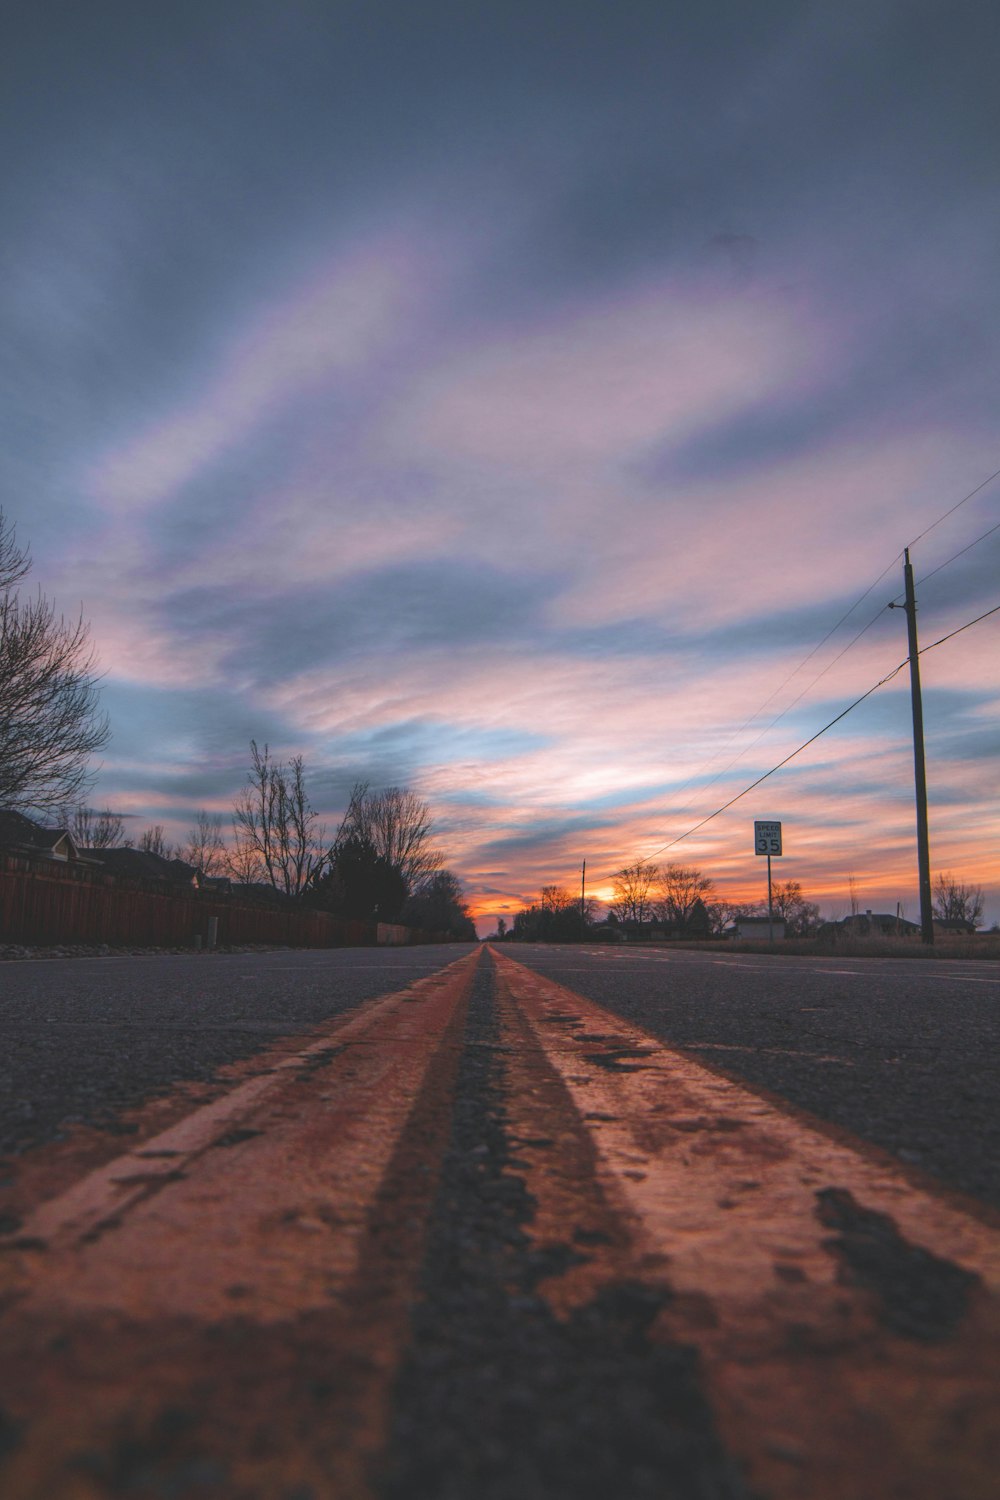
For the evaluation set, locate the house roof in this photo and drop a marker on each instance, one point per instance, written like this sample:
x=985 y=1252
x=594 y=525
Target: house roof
x=879 y=919
x=20 y=832
x=258 y=891
x=140 y=864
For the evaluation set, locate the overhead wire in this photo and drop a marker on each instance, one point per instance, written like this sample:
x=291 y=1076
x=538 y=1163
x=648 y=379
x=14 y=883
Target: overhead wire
x=964 y=500
x=819 y=733
x=820 y=644
x=967 y=626
x=831 y=632
x=788 y=708
x=955 y=556
x=799 y=696
x=870 y=590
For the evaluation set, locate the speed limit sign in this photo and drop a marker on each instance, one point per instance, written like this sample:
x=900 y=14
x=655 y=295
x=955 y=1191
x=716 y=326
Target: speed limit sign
x=767 y=838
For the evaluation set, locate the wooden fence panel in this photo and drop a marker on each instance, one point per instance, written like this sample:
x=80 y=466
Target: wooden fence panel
x=52 y=904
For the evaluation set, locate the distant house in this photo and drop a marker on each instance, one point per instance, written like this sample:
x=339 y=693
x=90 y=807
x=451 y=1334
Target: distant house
x=757 y=930
x=140 y=864
x=877 y=923
x=952 y=925
x=23 y=836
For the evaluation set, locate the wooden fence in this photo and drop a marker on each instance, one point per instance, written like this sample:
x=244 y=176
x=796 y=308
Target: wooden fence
x=48 y=903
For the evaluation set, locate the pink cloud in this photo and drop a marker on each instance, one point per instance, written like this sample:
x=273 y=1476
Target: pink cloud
x=350 y=316
x=653 y=364
x=613 y=729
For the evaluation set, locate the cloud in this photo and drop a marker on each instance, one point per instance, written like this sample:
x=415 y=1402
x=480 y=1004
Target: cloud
x=508 y=403
x=588 y=385
x=328 y=332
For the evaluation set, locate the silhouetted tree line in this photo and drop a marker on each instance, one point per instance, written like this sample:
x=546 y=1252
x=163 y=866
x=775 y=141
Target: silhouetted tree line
x=557 y=917
x=675 y=900
x=681 y=901
x=382 y=864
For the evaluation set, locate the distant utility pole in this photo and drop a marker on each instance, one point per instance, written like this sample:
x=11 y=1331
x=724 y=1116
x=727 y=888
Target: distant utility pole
x=919 y=768
x=583 y=895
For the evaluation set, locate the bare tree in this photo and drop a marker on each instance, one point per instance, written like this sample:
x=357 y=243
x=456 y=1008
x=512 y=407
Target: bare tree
x=243 y=861
x=633 y=892
x=396 y=824
x=152 y=841
x=50 y=723
x=95 y=830
x=724 y=911
x=955 y=902
x=721 y=911
x=800 y=916
x=679 y=889
x=555 y=897
x=275 y=825
x=206 y=847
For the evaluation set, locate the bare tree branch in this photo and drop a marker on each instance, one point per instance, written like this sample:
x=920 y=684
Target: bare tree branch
x=153 y=842
x=50 y=724
x=206 y=847
x=956 y=902
x=95 y=830
x=276 y=833
x=633 y=892
x=680 y=888
x=396 y=824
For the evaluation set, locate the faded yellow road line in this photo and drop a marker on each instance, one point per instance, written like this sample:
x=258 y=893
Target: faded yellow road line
x=847 y=1320
x=257 y=1257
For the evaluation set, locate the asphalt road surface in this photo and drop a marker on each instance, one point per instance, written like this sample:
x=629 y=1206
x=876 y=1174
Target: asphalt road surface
x=82 y=1039
x=520 y=1224
x=904 y=1052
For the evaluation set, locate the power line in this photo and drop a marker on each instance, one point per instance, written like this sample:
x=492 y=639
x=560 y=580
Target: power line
x=820 y=644
x=820 y=732
x=747 y=789
x=967 y=626
x=965 y=498
x=871 y=589
x=787 y=710
x=961 y=553
x=794 y=673
x=948 y=561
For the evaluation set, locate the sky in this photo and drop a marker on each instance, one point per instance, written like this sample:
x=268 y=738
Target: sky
x=526 y=403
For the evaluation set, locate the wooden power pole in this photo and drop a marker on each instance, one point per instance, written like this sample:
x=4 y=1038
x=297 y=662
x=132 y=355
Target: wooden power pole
x=919 y=768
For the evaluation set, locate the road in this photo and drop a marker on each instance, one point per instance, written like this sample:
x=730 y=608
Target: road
x=901 y=1051
x=83 y=1039
x=453 y=1223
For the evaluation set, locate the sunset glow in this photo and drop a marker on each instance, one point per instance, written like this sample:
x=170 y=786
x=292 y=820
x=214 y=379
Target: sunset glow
x=514 y=422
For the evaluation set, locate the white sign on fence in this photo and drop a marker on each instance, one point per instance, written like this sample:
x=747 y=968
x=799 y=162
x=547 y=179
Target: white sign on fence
x=767 y=838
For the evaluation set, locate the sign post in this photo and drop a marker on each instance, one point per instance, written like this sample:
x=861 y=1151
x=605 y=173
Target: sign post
x=767 y=840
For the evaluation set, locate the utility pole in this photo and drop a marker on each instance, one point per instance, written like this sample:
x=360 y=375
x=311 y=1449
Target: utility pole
x=919 y=769
x=583 y=896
